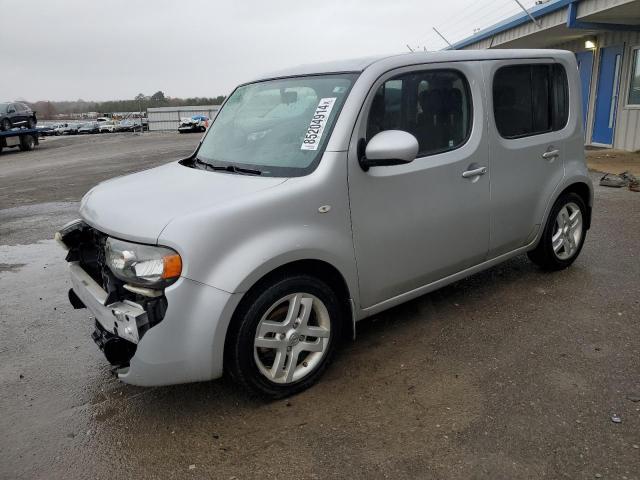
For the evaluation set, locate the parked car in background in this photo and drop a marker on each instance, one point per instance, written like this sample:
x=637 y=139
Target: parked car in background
x=195 y=123
x=47 y=129
x=133 y=125
x=16 y=114
x=73 y=128
x=90 y=127
x=107 y=127
x=61 y=129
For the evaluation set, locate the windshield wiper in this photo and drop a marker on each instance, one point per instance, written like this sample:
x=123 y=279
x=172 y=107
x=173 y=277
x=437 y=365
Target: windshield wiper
x=197 y=161
x=227 y=168
x=236 y=169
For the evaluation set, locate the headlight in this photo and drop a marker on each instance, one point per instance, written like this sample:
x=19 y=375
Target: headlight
x=142 y=265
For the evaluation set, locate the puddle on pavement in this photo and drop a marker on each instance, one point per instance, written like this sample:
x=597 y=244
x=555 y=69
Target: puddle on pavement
x=31 y=223
x=14 y=258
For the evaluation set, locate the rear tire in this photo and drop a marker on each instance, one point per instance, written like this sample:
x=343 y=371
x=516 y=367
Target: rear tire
x=283 y=335
x=563 y=235
x=27 y=143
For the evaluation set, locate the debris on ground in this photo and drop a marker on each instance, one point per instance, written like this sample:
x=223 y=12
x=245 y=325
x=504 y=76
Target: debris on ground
x=624 y=179
x=616 y=418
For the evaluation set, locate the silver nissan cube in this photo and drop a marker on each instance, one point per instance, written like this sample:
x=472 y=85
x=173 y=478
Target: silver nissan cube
x=325 y=194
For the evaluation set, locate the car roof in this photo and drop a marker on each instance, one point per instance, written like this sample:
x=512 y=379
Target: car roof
x=387 y=62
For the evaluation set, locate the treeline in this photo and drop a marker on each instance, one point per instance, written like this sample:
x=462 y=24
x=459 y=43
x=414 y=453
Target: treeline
x=48 y=110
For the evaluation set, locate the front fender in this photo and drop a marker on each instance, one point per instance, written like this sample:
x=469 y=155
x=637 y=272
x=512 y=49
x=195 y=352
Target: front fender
x=232 y=246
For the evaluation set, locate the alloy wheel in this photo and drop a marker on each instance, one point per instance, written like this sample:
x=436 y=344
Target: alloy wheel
x=567 y=231
x=292 y=338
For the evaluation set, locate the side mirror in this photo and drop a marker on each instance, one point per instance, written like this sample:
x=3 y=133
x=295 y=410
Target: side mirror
x=390 y=147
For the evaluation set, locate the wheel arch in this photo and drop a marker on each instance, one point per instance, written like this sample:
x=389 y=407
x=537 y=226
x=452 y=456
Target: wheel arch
x=317 y=268
x=584 y=191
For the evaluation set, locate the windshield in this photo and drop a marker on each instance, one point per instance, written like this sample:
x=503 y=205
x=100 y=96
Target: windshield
x=278 y=127
x=3 y=107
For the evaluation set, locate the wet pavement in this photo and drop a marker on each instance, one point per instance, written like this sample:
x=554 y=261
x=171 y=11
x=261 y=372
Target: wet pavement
x=512 y=373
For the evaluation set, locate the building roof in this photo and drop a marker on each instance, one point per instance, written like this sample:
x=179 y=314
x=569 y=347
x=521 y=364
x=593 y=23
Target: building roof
x=513 y=21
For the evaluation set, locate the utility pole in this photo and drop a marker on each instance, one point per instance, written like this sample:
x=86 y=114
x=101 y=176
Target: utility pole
x=536 y=22
x=442 y=36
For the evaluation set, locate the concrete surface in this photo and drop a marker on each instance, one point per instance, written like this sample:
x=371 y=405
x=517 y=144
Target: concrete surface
x=509 y=374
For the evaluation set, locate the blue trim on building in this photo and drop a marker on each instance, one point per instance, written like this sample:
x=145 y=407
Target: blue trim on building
x=512 y=22
x=573 y=22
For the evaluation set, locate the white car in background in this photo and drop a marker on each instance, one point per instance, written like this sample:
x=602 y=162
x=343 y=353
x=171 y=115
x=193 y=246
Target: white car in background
x=60 y=129
x=107 y=127
x=195 y=123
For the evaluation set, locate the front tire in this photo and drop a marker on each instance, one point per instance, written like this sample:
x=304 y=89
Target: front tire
x=283 y=335
x=563 y=235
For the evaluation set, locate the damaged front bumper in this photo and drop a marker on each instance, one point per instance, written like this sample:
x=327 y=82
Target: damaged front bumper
x=175 y=338
x=120 y=318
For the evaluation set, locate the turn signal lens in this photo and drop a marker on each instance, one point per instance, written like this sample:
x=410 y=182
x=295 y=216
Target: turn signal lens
x=172 y=266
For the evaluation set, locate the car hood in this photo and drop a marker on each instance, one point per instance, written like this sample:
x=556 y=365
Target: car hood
x=138 y=207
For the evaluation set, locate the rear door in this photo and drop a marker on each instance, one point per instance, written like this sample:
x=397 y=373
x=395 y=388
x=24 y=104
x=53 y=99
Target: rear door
x=529 y=113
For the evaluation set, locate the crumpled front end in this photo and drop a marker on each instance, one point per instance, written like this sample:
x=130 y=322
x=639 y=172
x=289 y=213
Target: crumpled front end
x=123 y=314
x=152 y=337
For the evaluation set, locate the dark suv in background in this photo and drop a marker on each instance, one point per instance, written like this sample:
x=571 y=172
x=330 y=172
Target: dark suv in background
x=16 y=115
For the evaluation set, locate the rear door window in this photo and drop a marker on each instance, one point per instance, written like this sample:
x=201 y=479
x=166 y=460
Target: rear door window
x=530 y=99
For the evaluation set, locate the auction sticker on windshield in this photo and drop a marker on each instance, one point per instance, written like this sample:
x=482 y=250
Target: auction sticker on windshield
x=318 y=121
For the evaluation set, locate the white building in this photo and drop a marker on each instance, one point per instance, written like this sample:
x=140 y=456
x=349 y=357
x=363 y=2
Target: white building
x=605 y=36
x=168 y=118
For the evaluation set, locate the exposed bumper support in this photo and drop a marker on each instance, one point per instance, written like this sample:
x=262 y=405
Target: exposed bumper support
x=120 y=318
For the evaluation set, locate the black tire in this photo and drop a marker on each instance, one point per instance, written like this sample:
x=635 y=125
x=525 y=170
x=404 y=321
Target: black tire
x=27 y=143
x=544 y=254
x=5 y=125
x=31 y=123
x=239 y=359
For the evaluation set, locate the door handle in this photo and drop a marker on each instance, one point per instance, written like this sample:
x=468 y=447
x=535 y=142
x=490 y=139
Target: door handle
x=475 y=172
x=551 y=154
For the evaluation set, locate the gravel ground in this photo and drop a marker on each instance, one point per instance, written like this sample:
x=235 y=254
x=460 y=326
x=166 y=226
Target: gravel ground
x=512 y=373
x=613 y=161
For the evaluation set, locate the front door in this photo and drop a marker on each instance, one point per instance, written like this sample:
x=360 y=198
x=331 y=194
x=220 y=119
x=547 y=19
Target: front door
x=607 y=94
x=414 y=224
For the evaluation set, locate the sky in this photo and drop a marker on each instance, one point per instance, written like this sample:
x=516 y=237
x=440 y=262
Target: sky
x=115 y=49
